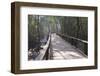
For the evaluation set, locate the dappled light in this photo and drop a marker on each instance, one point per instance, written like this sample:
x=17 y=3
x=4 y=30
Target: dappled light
x=63 y=49
x=57 y=37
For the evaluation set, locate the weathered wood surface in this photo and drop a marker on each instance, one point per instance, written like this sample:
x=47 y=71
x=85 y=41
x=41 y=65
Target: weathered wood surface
x=64 y=50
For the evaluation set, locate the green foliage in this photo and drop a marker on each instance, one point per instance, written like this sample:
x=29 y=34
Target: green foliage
x=75 y=26
x=32 y=31
x=40 y=26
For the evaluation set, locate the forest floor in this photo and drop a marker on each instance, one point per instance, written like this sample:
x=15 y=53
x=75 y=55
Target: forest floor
x=64 y=50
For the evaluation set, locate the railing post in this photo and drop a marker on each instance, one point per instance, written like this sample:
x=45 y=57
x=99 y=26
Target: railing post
x=47 y=54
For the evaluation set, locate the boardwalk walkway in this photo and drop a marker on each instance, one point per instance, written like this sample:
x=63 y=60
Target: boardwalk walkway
x=64 y=50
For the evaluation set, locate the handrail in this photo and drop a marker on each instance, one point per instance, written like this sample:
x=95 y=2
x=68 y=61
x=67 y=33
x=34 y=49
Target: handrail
x=84 y=41
x=43 y=51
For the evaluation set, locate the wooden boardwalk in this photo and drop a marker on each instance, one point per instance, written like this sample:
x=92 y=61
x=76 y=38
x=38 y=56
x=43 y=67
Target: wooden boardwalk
x=64 y=50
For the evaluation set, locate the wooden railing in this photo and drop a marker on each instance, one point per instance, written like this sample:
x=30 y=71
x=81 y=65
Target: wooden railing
x=44 y=53
x=78 y=43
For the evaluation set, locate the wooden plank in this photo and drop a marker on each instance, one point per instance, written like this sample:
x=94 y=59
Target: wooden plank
x=64 y=50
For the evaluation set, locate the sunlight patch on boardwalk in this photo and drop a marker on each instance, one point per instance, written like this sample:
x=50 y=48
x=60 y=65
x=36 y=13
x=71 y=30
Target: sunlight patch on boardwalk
x=64 y=50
